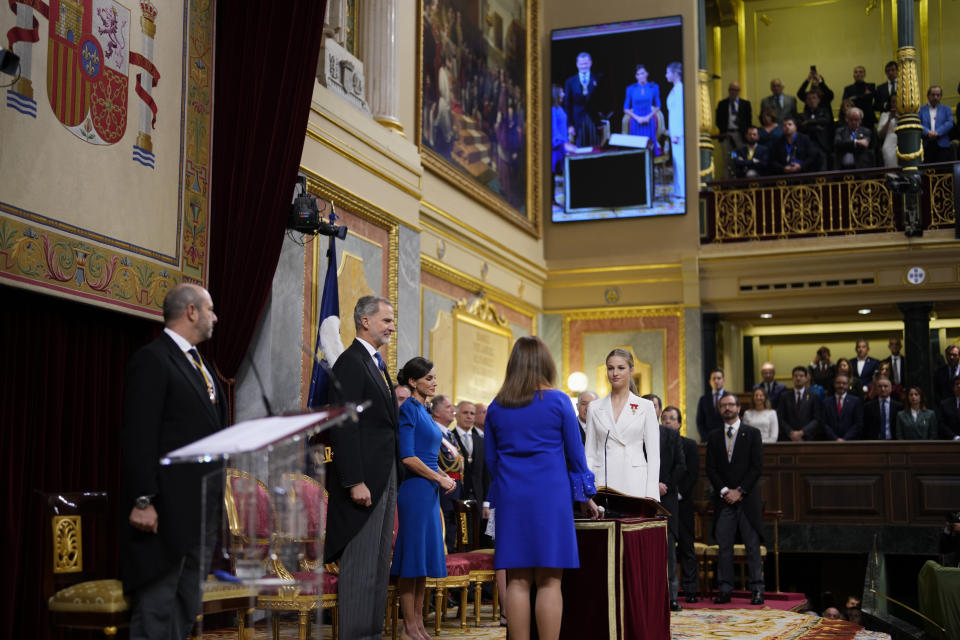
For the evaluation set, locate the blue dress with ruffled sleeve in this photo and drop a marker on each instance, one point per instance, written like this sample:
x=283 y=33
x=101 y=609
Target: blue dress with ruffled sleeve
x=537 y=469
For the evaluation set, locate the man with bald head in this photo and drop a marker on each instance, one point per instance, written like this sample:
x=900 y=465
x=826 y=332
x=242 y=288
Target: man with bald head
x=734 y=116
x=782 y=105
x=171 y=398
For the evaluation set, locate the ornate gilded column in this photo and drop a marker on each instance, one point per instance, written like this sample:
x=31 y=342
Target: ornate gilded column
x=909 y=129
x=704 y=103
x=378 y=50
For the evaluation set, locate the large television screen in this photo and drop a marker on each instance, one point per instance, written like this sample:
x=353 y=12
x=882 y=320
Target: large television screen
x=617 y=129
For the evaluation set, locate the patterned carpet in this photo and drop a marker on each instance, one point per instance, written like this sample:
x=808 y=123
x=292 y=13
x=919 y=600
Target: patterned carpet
x=702 y=624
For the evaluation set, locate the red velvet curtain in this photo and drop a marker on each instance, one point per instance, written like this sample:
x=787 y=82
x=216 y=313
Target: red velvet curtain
x=62 y=379
x=265 y=71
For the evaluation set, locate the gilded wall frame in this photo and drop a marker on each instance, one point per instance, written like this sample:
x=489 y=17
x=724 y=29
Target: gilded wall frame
x=463 y=149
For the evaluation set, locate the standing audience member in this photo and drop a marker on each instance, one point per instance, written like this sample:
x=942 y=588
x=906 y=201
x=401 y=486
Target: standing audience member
x=762 y=416
x=532 y=433
x=480 y=418
x=816 y=122
x=753 y=159
x=418 y=551
x=937 y=121
x=734 y=116
x=880 y=413
x=916 y=422
x=402 y=392
x=782 y=105
x=948 y=414
x=451 y=463
x=475 y=478
x=814 y=82
x=895 y=360
x=363 y=482
x=672 y=419
x=887 y=135
x=623 y=439
x=734 y=465
x=944 y=374
x=852 y=143
x=769 y=131
x=583 y=401
x=822 y=371
x=862 y=93
x=708 y=412
x=171 y=398
x=853 y=382
x=769 y=384
x=885 y=96
x=793 y=153
x=799 y=411
x=673 y=468
x=843 y=413
x=864 y=364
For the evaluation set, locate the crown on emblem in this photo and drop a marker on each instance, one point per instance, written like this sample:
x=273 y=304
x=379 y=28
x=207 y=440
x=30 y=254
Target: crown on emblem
x=149 y=11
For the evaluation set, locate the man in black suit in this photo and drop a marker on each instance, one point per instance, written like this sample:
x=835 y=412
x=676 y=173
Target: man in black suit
x=362 y=482
x=864 y=365
x=768 y=383
x=948 y=414
x=752 y=159
x=895 y=360
x=822 y=371
x=853 y=144
x=798 y=412
x=793 y=153
x=583 y=401
x=686 y=524
x=880 y=414
x=842 y=412
x=475 y=478
x=579 y=102
x=945 y=373
x=815 y=82
x=708 y=415
x=171 y=398
x=734 y=464
x=862 y=93
x=887 y=90
x=816 y=122
x=734 y=117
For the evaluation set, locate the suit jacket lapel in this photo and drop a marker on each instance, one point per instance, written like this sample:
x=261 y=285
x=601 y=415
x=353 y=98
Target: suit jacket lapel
x=179 y=360
x=374 y=371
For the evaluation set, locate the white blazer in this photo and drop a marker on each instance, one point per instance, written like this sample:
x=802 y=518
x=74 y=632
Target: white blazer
x=627 y=469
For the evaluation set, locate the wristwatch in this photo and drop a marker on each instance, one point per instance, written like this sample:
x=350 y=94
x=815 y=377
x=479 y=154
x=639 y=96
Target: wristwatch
x=143 y=502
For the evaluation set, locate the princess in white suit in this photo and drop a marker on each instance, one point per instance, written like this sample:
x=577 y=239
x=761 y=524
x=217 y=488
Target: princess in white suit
x=619 y=428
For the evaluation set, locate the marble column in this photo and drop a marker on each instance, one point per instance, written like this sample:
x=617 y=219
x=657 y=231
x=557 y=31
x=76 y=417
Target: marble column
x=378 y=50
x=916 y=343
x=708 y=332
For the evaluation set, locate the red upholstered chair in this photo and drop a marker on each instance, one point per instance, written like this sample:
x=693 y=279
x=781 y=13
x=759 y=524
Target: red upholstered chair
x=458 y=577
x=481 y=560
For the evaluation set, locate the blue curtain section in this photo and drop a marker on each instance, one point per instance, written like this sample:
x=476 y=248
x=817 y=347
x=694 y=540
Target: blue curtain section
x=329 y=307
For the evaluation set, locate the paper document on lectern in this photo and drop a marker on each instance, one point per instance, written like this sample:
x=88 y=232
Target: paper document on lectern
x=253 y=435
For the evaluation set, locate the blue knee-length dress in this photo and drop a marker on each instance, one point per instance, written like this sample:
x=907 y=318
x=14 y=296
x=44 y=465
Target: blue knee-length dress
x=419 y=550
x=537 y=469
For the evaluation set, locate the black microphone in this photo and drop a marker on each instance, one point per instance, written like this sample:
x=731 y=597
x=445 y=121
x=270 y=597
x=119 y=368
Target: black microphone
x=263 y=392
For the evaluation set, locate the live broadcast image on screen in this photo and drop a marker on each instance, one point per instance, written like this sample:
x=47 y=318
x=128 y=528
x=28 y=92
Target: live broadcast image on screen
x=617 y=125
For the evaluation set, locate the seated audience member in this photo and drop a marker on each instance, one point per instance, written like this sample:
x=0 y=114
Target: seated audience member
x=880 y=413
x=793 y=153
x=937 y=121
x=761 y=416
x=769 y=130
x=782 y=105
x=751 y=160
x=861 y=93
x=822 y=371
x=887 y=135
x=769 y=384
x=886 y=93
x=916 y=422
x=948 y=414
x=816 y=122
x=814 y=82
x=798 y=412
x=843 y=413
x=852 y=143
x=944 y=374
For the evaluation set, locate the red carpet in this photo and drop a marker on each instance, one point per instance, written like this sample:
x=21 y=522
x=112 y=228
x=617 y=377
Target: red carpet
x=782 y=601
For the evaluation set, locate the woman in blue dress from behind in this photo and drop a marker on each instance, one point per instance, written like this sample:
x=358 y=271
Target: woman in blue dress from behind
x=418 y=551
x=537 y=470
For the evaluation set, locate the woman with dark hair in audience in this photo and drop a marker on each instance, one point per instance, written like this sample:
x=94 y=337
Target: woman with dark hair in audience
x=916 y=422
x=769 y=129
x=854 y=387
x=418 y=551
x=537 y=470
x=762 y=417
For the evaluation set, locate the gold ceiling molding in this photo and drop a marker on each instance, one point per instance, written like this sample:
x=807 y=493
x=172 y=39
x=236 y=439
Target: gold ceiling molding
x=375 y=215
x=631 y=267
x=336 y=146
x=573 y=284
x=456 y=277
x=370 y=141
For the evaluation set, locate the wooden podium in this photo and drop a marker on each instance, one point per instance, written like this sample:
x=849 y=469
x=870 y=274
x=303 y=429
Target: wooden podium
x=620 y=590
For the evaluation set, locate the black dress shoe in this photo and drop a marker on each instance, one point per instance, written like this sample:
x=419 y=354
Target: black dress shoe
x=722 y=598
x=691 y=598
x=757 y=597
x=675 y=606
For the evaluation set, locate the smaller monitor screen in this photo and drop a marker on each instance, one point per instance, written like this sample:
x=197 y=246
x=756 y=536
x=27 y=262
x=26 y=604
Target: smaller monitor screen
x=617 y=120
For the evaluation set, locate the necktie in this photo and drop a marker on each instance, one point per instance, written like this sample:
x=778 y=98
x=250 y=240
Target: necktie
x=383 y=368
x=468 y=444
x=839 y=405
x=780 y=101
x=733 y=107
x=729 y=432
x=799 y=396
x=195 y=358
x=716 y=400
x=729 y=443
x=895 y=361
x=884 y=420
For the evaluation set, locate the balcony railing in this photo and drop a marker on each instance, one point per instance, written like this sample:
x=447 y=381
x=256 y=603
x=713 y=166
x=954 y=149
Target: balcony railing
x=822 y=204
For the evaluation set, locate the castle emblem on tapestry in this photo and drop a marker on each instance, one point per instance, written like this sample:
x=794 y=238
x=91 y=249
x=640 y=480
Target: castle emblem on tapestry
x=88 y=65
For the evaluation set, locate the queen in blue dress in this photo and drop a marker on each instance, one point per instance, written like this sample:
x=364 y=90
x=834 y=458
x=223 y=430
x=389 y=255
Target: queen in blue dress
x=418 y=551
x=537 y=470
x=642 y=104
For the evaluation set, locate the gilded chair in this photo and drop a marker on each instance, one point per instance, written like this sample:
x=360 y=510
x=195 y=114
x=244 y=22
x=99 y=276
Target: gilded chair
x=469 y=514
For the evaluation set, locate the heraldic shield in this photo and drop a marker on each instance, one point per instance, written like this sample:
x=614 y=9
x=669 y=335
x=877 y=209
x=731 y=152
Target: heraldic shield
x=88 y=66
